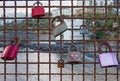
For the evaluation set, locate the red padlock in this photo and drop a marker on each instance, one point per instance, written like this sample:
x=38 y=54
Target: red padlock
x=38 y=11
x=11 y=51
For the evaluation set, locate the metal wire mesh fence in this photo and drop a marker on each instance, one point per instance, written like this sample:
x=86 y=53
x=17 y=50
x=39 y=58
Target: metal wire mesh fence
x=89 y=22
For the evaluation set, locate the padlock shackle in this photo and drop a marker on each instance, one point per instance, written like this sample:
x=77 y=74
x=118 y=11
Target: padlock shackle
x=58 y=17
x=84 y=26
x=73 y=48
x=37 y=3
x=60 y=60
x=116 y=19
x=12 y=42
x=17 y=40
x=106 y=44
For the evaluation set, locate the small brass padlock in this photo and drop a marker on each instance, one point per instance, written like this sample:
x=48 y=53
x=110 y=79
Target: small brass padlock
x=61 y=63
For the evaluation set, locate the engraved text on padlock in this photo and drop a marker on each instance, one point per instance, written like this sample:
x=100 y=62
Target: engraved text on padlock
x=74 y=56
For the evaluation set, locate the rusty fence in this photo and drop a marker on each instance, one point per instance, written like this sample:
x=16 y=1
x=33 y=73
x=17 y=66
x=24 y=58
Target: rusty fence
x=39 y=50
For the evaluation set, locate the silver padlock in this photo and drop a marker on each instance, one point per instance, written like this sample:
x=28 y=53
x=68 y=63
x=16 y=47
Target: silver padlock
x=73 y=56
x=108 y=59
x=115 y=24
x=60 y=28
x=83 y=29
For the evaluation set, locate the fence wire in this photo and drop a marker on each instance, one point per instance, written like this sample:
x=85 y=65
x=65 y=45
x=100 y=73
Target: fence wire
x=39 y=52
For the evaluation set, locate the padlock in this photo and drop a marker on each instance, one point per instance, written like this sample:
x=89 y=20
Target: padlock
x=61 y=63
x=74 y=56
x=115 y=24
x=108 y=59
x=38 y=11
x=60 y=28
x=10 y=52
x=83 y=29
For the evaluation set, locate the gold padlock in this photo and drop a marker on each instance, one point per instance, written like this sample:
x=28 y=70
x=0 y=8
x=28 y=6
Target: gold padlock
x=61 y=63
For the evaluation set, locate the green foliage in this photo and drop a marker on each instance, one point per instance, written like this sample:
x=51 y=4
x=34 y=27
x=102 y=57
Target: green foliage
x=89 y=22
x=100 y=15
x=63 y=15
x=109 y=23
x=98 y=24
x=89 y=15
x=31 y=23
x=79 y=15
x=101 y=23
x=100 y=34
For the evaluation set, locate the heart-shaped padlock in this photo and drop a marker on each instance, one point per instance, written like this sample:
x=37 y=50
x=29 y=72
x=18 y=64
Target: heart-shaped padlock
x=108 y=59
x=115 y=24
x=10 y=52
x=57 y=30
x=38 y=11
x=61 y=63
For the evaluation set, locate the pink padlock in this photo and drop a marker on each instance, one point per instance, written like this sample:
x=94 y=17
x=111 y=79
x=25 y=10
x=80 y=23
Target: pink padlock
x=10 y=52
x=107 y=59
x=38 y=11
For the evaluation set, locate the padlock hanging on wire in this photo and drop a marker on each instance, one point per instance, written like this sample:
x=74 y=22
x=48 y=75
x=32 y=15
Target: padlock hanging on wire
x=38 y=11
x=115 y=24
x=10 y=52
x=108 y=59
x=83 y=29
x=61 y=63
x=60 y=28
x=74 y=56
